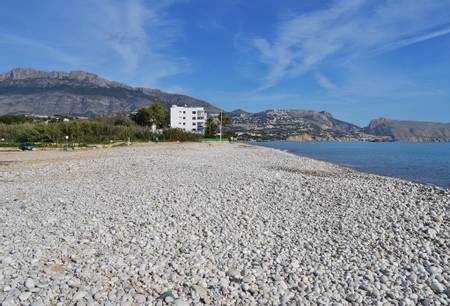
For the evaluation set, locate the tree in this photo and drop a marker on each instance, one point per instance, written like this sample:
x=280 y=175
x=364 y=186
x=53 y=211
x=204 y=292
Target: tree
x=13 y=119
x=121 y=118
x=142 y=117
x=225 y=120
x=159 y=115
x=154 y=113
x=211 y=127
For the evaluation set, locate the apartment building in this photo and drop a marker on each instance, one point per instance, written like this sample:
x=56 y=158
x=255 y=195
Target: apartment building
x=191 y=119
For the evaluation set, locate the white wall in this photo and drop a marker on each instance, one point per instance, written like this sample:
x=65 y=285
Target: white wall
x=191 y=119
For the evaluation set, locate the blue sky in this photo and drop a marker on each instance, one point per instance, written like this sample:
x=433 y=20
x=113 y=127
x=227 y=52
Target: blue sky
x=357 y=59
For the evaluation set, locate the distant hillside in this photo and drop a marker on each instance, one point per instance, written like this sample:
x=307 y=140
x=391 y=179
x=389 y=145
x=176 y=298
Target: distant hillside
x=78 y=93
x=410 y=130
x=294 y=124
x=309 y=125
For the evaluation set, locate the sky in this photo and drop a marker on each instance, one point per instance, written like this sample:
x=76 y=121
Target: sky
x=358 y=59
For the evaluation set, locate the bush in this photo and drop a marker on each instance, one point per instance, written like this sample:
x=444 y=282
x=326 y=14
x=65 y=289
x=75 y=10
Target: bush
x=13 y=119
x=79 y=131
x=179 y=135
x=84 y=132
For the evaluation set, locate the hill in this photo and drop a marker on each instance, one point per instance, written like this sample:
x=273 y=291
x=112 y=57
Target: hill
x=309 y=125
x=409 y=130
x=295 y=124
x=84 y=94
x=78 y=93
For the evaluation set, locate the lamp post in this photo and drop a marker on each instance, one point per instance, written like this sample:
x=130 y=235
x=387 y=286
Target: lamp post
x=66 y=142
x=220 y=127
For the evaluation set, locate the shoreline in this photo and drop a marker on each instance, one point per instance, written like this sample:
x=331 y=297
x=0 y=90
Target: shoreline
x=348 y=169
x=200 y=223
x=403 y=179
x=363 y=169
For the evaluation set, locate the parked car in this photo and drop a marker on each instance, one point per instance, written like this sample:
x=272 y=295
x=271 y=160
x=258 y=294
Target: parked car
x=26 y=146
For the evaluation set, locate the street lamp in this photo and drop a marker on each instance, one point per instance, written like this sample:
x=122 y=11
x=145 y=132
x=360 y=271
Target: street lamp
x=220 y=126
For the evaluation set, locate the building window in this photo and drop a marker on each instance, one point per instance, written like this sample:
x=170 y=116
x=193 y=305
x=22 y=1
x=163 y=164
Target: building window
x=193 y=118
x=193 y=123
x=184 y=118
x=184 y=112
x=184 y=123
x=194 y=112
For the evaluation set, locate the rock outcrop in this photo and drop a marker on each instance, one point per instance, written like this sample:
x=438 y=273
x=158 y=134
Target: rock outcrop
x=302 y=125
x=414 y=131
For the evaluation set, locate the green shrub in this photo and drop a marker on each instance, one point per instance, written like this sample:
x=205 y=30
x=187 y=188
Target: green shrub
x=79 y=131
x=84 y=132
x=179 y=135
x=13 y=119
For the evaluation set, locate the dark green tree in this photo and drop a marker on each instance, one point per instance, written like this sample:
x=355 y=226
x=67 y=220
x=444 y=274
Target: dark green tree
x=159 y=115
x=142 y=117
x=225 y=120
x=13 y=119
x=211 y=127
x=155 y=113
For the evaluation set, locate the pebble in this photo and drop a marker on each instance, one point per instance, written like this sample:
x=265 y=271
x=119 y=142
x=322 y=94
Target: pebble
x=79 y=295
x=186 y=224
x=74 y=283
x=180 y=302
x=37 y=303
x=437 y=286
x=354 y=298
x=29 y=283
x=140 y=298
x=24 y=296
x=9 y=301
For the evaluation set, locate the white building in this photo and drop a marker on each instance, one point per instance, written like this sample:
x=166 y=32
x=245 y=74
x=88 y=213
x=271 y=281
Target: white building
x=191 y=119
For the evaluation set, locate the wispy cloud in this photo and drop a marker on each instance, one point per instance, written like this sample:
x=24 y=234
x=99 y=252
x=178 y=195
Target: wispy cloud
x=140 y=33
x=324 y=82
x=345 y=29
x=132 y=41
x=40 y=47
x=411 y=40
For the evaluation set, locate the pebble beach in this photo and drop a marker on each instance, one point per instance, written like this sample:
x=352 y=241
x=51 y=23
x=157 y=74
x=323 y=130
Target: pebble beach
x=215 y=224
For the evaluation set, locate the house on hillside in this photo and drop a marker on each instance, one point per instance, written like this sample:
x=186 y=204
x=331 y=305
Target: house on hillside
x=190 y=119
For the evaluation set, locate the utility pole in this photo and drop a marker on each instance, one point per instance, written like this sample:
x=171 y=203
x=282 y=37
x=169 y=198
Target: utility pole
x=220 y=126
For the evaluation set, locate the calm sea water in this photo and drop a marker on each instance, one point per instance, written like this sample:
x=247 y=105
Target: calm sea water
x=421 y=162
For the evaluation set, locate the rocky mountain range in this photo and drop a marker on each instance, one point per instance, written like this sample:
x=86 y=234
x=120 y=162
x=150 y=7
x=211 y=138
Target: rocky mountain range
x=78 y=93
x=297 y=125
x=309 y=125
x=409 y=130
x=83 y=94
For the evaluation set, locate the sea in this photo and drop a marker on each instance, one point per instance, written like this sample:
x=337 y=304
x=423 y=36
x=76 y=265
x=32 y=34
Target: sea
x=423 y=162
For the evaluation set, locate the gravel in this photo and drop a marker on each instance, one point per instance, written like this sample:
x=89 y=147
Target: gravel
x=186 y=224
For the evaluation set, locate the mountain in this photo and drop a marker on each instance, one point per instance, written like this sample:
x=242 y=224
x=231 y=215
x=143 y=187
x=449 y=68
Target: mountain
x=78 y=93
x=296 y=124
x=409 y=130
x=309 y=125
x=237 y=112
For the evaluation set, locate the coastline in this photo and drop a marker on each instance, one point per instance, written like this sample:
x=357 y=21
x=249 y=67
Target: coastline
x=377 y=158
x=216 y=223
